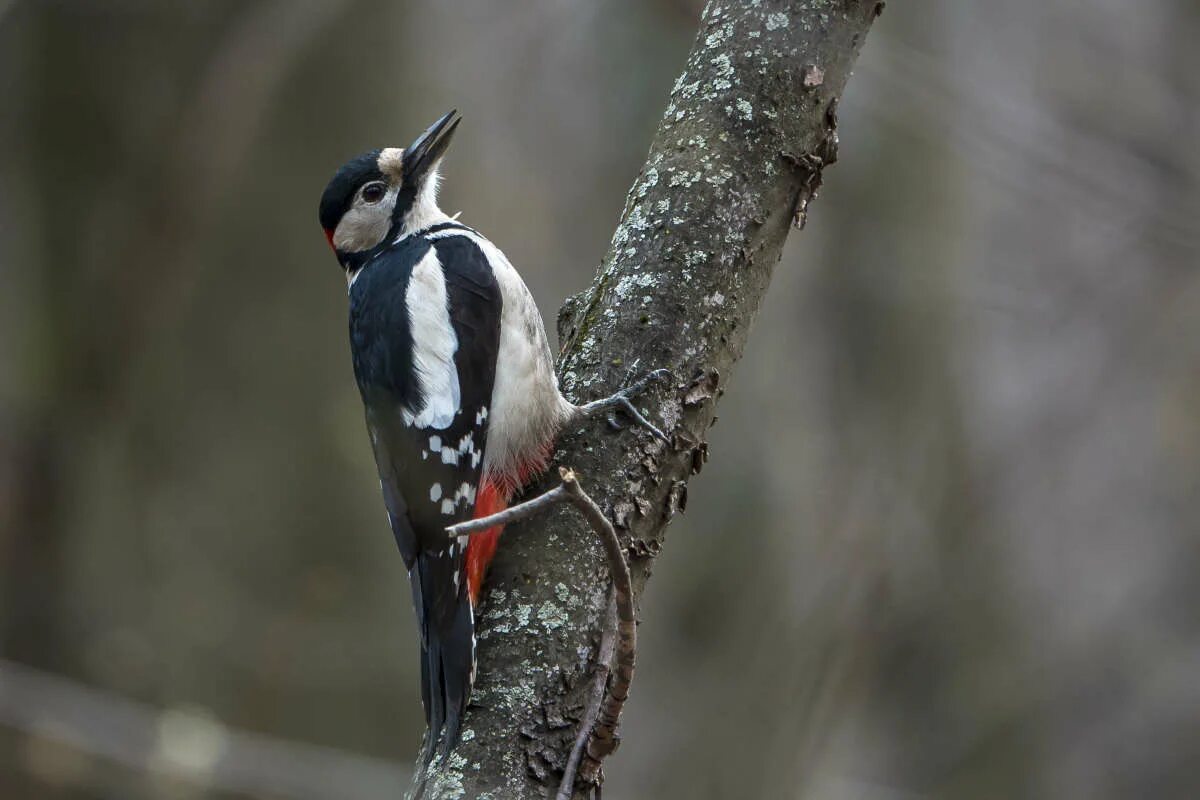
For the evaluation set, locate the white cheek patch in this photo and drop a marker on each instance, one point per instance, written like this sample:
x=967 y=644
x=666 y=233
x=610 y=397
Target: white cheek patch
x=364 y=226
x=434 y=345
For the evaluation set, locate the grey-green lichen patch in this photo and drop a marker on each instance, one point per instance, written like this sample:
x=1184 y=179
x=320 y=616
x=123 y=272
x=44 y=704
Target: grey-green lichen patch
x=719 y=177
x=447 y=782
x=648 y=182
x=637 y=220
x=719 y=35
x=501 y=620
x=552 y=616
x=515 y=695
x=776 y=21
x=723 y=73
x=671 y=412
x=683 y=178
x=522 y=615
x=629 y=284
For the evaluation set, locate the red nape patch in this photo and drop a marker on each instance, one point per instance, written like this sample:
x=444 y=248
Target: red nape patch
x=481 y=548
x=329 y=238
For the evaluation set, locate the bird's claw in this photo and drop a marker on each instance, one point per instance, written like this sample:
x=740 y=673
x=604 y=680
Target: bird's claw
x=623 y=400
x=628 y=407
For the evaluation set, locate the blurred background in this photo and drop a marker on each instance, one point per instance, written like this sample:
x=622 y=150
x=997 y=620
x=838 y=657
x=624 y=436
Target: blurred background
x=964 y=443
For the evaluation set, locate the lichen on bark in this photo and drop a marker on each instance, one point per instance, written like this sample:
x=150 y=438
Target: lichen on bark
x=748 y=127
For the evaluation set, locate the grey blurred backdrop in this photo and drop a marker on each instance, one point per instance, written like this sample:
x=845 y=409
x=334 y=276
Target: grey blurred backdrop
x=947 y=544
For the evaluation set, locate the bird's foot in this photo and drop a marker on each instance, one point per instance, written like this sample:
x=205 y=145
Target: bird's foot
x=622 y=400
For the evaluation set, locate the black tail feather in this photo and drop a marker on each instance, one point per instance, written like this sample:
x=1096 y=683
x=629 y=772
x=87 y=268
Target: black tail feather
x=447 y=649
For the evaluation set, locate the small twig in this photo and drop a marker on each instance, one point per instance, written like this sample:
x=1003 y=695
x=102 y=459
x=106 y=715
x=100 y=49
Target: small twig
x=608 y=643
x=598 y=729
x=603 y=739
x=513 y=514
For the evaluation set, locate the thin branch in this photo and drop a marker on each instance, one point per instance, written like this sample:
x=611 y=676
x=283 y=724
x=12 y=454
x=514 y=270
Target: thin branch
x=603 y=739
x=598 y=731
x=513 y=514
x=604 y=656
x=135 y=736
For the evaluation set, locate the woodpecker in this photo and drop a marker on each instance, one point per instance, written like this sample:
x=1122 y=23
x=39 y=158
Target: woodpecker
x=458 y=384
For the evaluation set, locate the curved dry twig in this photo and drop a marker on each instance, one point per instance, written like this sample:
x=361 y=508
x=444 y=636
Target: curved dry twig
x=604 y=656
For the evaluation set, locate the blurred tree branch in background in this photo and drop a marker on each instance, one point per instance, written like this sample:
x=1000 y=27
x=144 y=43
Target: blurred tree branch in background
x=738 y=154
x=182 y=745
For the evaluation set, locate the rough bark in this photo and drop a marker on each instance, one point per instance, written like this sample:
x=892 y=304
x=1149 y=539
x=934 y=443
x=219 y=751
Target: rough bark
x=737 y=156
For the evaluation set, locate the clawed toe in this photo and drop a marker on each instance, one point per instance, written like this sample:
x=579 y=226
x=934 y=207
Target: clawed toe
x=623 y=400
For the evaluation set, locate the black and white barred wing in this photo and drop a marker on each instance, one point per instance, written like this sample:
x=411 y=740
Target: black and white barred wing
x=426 y=394
x=429 y=337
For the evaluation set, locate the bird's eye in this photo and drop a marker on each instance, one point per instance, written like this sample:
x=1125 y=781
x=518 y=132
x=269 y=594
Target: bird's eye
x=374 y=192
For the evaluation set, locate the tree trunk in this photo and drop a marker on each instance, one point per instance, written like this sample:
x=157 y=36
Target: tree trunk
x=737 y=156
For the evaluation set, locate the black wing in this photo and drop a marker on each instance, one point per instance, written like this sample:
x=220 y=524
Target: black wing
x=430 y=468
x=413 y=458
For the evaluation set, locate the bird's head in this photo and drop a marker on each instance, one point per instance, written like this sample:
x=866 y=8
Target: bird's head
x=384 y=194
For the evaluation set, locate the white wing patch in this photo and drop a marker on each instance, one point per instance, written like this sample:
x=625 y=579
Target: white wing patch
x=434 y=345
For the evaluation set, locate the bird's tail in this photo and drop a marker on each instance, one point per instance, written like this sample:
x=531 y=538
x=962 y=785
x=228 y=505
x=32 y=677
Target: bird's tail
x=446 y=586
x=447 y=624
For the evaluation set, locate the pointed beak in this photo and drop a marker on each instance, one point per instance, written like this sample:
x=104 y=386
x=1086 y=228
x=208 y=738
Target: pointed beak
x=430 y=146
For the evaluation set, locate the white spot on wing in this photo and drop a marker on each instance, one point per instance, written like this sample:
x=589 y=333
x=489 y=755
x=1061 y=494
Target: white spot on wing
x=465 y=492
x=435 y=492
x=447 y=506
